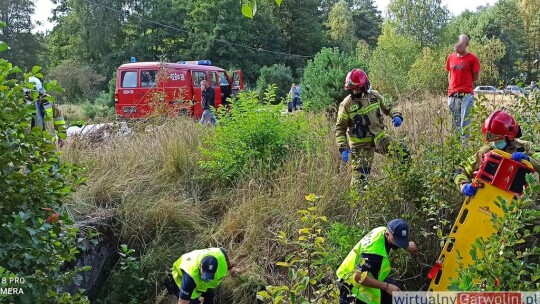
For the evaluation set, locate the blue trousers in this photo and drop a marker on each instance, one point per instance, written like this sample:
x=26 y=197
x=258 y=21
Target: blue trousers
x=460 y=108
x=208 y=118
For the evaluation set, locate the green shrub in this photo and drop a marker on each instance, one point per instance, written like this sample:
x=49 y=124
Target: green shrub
x=322 y=85
x=491 y=53
x=391 y=61
x=127 y=278
x=277 y=74
x=427 y=74
x=341 y=239
x=35 y=240
x=307 y=270
x=250 y=136
x=79 y=80
x=102 y=107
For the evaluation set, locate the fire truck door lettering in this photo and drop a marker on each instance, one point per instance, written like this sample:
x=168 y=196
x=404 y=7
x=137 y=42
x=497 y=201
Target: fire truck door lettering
x=176 y=77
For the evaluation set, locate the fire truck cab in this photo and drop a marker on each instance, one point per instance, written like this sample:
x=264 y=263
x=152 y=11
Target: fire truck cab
x=143 y=86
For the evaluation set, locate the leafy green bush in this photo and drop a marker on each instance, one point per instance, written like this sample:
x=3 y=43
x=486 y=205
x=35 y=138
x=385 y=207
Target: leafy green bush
x=129 y=281
x=277 y=74
x=490 y=52
x=103 y=106
x=427 y=74
x=35 y=240
x=324 y=77
x=391 y=61
x=341 y=239
x=80 y=81
x=307 y=271
x=248 y=136
x=526 y=111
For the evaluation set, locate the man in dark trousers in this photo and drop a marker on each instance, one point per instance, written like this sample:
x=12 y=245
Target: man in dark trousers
x=208 y=105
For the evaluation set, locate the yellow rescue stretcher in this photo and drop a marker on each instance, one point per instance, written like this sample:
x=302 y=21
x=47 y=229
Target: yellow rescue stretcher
x=499 y=175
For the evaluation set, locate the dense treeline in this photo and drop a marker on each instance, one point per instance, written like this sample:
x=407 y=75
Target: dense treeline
x=102 y=34
x=404 y=51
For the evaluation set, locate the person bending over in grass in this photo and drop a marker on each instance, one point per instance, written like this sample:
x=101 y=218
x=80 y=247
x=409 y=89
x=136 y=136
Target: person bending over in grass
x=363 y=275
x=198 y=273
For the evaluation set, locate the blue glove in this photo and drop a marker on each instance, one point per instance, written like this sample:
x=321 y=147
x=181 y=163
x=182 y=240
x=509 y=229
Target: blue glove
x=397 y=121
x=519 y=156
x=345 y=155
x=469 y=190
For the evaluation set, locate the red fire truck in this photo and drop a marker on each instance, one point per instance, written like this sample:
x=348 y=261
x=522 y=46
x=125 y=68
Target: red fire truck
x=143 y=86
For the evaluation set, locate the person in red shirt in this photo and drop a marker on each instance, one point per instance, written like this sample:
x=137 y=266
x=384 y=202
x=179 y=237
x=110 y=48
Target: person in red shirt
x=463 y=69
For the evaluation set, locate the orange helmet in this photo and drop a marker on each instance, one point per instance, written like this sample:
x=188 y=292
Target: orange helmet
x=500 y=125
x=357 y=79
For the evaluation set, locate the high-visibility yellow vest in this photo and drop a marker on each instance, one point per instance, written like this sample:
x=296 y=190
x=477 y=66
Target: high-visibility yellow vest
x=190 y=263
x=52 y=119
x=372 y=243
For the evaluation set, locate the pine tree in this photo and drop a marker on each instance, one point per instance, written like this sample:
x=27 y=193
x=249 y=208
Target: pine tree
x=368 y=20
x=218 y=32
x=301 y=27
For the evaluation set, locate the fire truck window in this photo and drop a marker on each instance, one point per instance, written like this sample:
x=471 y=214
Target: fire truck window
x=213 y=79
x=129 y=79
x=197 y=78
x=148 y=78
x=223 y=79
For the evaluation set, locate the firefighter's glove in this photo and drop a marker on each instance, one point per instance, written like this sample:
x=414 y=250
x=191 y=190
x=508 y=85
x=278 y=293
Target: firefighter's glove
x=519 y=156
x=345 y=155
x=397 y=121
x=468 y=189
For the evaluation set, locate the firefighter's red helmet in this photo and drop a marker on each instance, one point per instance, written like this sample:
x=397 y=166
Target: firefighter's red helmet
x=356 y=79
x=500 y=125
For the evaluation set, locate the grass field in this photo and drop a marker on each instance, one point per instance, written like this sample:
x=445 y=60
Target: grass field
x=73 y=112
x=154 y=183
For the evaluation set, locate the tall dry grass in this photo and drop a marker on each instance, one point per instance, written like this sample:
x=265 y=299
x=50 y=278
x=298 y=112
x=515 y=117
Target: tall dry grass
x=152 y=180
x=149 y=178
x=73 y=112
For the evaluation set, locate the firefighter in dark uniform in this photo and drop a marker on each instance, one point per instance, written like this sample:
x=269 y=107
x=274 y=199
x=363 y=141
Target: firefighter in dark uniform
x=360 y=130
x=501 y=131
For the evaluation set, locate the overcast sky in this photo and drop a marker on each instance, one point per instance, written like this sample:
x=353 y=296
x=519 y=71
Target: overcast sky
x=44 y=7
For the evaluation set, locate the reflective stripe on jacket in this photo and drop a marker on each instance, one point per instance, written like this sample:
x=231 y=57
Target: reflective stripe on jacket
x=52 y=121
x=374 y=243
x=370 y=108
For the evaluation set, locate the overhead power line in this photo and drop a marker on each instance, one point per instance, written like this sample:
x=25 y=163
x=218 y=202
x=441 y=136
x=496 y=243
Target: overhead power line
x=188 y=32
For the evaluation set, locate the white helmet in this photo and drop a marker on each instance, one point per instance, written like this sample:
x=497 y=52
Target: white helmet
x=38 y=86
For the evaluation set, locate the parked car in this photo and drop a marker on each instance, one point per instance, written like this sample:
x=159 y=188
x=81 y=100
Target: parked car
x=514 y=90
x=487 y=90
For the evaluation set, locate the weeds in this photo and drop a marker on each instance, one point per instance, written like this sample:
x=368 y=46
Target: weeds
x=129 y=276
x=250 y=137
x=307 y=272
x=154 y=179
